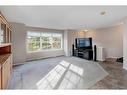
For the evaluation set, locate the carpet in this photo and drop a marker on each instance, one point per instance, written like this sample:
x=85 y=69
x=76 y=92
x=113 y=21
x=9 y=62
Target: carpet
x=57 y=73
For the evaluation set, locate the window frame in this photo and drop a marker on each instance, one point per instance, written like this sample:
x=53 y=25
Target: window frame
x=45 y=50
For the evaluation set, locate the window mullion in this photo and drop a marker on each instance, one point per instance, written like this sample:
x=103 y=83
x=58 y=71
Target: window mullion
x=61 y=42
x=40 y=41
x=52 y=40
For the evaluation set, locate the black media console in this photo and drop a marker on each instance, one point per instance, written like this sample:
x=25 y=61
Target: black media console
x=86 y=54
x=83 y=48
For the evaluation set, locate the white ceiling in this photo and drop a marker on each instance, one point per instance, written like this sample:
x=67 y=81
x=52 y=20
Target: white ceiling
x=65 y=17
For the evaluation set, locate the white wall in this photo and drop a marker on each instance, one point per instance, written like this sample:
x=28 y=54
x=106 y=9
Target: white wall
x=44 y=54
x=110 y=38
x=19 y=44
x=125 y=45
x=66 y=43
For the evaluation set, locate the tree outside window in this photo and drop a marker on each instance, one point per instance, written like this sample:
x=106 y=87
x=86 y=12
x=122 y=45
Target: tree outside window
x=43 y=41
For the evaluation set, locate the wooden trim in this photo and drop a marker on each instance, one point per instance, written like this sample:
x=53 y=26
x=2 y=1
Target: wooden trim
x=7 y=36
x=5 y=53
x=3 y=59
x=6 y=27
x=6 y=70
x=4 y=20
x=10 y=35
x=4 y=45
x=5 y=50
x=0 y=77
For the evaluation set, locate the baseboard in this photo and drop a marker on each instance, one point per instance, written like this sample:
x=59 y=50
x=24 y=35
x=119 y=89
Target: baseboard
x=43 y=58
x=113 y=59
x=35 y=60
x=18 y=64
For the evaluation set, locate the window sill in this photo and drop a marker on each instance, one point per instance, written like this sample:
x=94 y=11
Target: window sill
x=44 y=51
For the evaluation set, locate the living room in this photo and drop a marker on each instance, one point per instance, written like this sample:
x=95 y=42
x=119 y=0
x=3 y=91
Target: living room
x=44 y=41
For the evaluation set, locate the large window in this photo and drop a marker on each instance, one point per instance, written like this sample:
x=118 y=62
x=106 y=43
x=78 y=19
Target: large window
x=37 y=41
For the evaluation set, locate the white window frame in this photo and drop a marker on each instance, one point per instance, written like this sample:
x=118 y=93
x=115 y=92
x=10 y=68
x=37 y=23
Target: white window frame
x=41 y=42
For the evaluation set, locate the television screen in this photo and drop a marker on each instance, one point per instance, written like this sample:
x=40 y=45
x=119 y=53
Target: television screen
x=83 y=42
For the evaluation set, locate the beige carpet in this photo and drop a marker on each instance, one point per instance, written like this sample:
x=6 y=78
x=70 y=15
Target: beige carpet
x=57 y=73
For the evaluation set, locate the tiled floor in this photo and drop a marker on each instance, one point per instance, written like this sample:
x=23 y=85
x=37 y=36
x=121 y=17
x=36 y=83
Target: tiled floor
x=117 y=78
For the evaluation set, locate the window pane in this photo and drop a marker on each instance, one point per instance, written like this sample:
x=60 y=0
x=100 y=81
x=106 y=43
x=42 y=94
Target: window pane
x=56 y=42
x=33 y=41
x=44 y=41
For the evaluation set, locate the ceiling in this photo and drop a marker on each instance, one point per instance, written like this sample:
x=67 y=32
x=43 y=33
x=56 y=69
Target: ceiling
x=65 y=17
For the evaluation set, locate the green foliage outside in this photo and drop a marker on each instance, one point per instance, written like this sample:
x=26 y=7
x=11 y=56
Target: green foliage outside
x=43 y=43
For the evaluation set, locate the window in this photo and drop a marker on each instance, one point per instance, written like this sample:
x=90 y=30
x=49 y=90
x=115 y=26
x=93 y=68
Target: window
x=37 y=41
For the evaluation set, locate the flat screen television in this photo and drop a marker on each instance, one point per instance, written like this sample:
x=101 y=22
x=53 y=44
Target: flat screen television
x=83 y=43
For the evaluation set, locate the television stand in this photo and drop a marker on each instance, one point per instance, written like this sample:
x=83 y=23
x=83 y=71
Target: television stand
x=86 y=54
